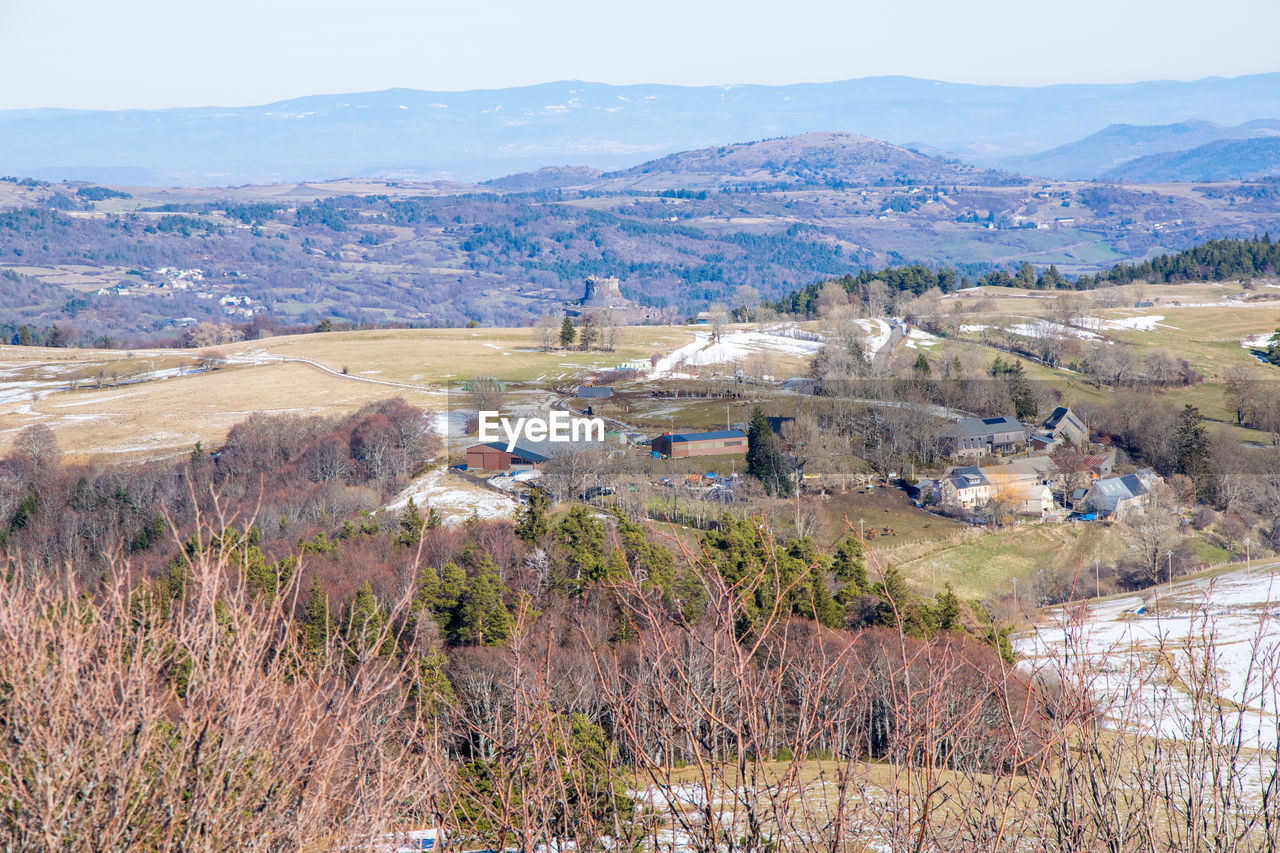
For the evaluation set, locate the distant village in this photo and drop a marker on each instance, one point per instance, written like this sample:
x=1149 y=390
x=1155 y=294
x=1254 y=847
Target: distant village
x=1001 y=469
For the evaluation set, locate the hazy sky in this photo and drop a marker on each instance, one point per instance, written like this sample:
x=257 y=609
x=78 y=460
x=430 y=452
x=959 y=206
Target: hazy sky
x=162 y=53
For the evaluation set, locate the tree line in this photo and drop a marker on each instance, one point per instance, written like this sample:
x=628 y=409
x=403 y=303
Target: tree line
x=1213 y=260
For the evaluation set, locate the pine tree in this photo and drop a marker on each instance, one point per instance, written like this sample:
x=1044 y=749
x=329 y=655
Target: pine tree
x=482 y=618
x=24 y=337
x=947 y=608
x=650 y=563
x=1026 y=276
x=316 y=625
x=582 y=535
x=896 y=596
x=531 y=522
x=921 y=367
x=1052 y=279
x=411 y=525
x=825 y=609
x=568 y=334
x=453 y=582
x=1025 y=404
x=765 y=459
x=365 y=622
x=1191 y=447
x=850 y=571
x=1272 y=349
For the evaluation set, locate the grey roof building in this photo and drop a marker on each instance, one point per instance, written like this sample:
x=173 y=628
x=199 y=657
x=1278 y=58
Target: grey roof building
x=1118 y=496
x=976 y=436
x=1064 y=424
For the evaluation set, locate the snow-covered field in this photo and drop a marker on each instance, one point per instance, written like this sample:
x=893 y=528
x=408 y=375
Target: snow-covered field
x=1139 y=323
x=1141 y=654
x=732 y=347
x=1046 y=328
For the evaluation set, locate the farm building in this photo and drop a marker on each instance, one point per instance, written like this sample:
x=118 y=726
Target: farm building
x=965 y=487
x=1062 y=426
x=1117 y=497
x=1022 y=483
x=494 y=456
x=720 y=443
x=525 y=455
x=980 y=436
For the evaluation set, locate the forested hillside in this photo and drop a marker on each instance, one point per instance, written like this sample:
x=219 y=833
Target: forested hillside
x=107 y=266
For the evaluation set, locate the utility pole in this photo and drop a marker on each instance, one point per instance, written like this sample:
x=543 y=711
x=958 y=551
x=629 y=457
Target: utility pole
x=1097 y=582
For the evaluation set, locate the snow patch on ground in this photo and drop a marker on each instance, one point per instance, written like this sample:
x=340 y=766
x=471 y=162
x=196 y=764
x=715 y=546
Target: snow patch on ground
x=920 y=339
x=1139 y=649
x=1045 y=328
x=454 y=498
x=879 y=333
x=1139 y=323
x=732 y=347
x=1258 y=341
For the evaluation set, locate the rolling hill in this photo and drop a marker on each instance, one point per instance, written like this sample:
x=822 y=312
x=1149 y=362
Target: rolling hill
x=822 y=159
x=677 y=232
x=1224 y=160
x=1110 y=148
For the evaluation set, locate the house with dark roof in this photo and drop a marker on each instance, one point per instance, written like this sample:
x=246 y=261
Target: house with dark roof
x=981 y=436
x=777 y=423
x=1117 y=497
x=1021 y=483
x=723 y=442
x=1078 y=470
x=964 y=486
x=1062 y=426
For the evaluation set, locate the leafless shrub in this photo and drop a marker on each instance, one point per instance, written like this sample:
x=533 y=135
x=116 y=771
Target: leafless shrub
x=182 y=716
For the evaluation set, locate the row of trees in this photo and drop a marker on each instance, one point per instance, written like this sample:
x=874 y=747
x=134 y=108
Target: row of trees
x=596 y=330
x=878 y=290
x=292 y=473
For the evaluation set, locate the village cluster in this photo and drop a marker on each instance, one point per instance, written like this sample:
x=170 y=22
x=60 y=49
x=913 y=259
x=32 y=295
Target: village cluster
x=1046 y=471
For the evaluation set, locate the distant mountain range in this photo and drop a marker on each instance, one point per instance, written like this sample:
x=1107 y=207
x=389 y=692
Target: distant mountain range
x=476 y=135
x=1106 y=152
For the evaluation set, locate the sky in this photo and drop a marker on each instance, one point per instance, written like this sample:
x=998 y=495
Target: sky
x=117 y=54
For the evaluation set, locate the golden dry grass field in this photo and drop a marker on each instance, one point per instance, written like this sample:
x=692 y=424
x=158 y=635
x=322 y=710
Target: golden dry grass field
x=1204 y=323
x=434 y=356
x=163 y=413
x=167 y=416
